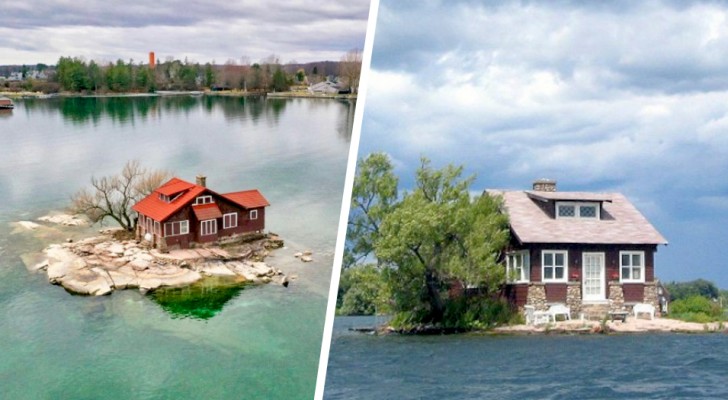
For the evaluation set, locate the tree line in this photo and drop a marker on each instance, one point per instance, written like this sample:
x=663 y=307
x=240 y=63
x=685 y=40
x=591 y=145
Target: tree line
x=75 y=74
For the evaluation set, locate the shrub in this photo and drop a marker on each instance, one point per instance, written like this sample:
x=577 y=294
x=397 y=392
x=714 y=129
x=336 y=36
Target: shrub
x=696 y=309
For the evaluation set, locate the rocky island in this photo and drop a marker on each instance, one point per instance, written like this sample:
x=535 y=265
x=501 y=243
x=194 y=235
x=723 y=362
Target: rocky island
x=100 y=264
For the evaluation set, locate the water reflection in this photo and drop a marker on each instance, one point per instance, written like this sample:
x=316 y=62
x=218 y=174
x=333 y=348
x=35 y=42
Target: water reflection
x=201 y=300
x=128 y=110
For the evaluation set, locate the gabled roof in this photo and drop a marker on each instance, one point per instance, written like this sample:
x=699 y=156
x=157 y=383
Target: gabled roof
x=247 y=198
x=184 y=193
x=621 y=222
x=207 y=211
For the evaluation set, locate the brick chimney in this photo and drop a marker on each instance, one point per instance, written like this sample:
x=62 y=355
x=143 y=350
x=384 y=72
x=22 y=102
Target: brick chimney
x=201 y=180
x=544 y=185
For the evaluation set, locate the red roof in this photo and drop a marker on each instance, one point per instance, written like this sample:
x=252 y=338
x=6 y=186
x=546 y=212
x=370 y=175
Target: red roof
x=207 y=211
x=154 y=207
x=248 y=198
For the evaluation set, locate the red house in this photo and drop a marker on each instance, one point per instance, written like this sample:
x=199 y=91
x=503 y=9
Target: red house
x=593 y=252
x=179 y=213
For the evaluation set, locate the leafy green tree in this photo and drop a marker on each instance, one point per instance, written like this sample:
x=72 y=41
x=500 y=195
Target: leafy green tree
x=439 y=237
x=434 y=245
x=209 y=75
x=698 y=287
x=373 y=196
x=280 y=82
x=361 y=291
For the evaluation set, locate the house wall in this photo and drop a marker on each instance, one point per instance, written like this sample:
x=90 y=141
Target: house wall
x=245 y=224
x=517 y=294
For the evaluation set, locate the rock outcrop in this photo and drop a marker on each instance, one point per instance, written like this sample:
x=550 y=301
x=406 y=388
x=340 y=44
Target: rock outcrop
x=99 y=265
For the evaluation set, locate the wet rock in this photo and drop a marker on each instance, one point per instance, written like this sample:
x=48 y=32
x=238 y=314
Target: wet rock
x=28 y=225
x=306 y=258
x=64 y=219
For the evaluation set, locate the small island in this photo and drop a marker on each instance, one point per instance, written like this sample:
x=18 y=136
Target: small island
x=171 y=235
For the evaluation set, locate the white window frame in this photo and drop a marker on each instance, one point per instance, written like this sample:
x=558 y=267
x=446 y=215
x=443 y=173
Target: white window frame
x=577 y=209
x=518 y=267
x=553 y=253
x=233 y=220
x=203 y=200
x=253 y=214
x=211 y=229
x=157 y=228
x=184 y=228
x=631 y=254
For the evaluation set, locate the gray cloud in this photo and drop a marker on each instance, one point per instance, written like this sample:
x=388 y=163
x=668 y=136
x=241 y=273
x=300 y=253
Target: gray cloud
x=39 y=31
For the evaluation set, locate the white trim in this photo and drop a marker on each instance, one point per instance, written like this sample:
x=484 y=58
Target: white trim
x=632 y=267
x=577 y=209
x=157 y=228
x=211 y=229
x=565 y=265
x=518 y=273
x=602 y=295
x=234 y=220
x=253 y=214
x=207 y=199
x=184 y=228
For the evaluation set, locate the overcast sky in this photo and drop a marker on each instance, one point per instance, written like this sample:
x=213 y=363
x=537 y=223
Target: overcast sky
x=629 y=97
x=40 y=31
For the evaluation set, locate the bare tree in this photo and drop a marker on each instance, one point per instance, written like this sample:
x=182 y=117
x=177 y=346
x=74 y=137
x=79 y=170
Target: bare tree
x=350 y=69
x=113 y=196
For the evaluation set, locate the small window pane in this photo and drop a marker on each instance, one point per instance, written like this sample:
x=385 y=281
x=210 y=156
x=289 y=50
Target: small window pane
x=566 y=211
x=559 y=259
x=636 y=260
x=625 y=273
x=588 y=211
x=636 y=273
x=625 y=260
x=548 y=273
x=548 y=259
x=559 y=272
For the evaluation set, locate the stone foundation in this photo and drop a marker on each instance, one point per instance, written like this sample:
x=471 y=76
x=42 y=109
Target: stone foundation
x=537 y=296
x=616 y=296
x=650 y=296
x=573 y=297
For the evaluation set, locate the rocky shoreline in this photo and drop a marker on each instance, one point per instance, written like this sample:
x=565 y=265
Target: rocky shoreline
x=100 y=264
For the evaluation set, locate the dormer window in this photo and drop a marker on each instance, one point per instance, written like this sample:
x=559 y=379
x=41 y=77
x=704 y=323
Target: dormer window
x=577 y=210
x=203 y=200
x=164 y=198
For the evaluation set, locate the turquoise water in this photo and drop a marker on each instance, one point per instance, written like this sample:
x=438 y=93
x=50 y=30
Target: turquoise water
x=260 y=341
x=646 y=366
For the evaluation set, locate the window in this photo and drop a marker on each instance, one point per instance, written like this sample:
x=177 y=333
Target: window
x=157 y=228
x=230 y=220
x=176 y=228
x=577 y=210
x=632 y=266
x=164 y=198
x=253 y=214
x=553 y=264
x=518 y=267
x=203 y=200
x=208 y=227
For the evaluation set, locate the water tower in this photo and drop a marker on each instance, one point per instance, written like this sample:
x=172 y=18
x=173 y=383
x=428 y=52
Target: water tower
x=151 y=59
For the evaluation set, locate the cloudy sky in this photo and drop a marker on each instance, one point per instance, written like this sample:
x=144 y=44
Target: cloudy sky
x=628 y=96
x=35 y=31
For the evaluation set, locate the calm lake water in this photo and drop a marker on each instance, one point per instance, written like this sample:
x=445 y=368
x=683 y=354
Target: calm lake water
x=650 y=366
x=238 y=342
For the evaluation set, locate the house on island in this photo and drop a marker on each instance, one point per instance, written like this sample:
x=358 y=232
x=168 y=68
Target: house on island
x=181 y=214
x=593 y=252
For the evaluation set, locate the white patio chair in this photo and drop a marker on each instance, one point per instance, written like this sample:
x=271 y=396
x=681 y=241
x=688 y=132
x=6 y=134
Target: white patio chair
x=560 y=309
x=534 y=317
x=644 y=308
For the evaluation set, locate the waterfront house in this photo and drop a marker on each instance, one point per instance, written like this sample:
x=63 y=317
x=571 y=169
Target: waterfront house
x=181 y=214
x=593 y=252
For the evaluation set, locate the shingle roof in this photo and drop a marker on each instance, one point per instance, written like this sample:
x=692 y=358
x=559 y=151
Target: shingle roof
x=621 y=222
x=152 y=206
x=207 y=211
x=247 y=198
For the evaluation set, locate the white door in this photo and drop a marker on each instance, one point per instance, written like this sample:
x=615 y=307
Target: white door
x=593 y=277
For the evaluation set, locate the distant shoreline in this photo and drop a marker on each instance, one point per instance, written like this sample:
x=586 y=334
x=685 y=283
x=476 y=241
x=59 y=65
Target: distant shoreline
x=165 y=93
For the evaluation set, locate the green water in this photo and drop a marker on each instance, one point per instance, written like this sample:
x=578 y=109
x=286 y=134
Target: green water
x=236 y=342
